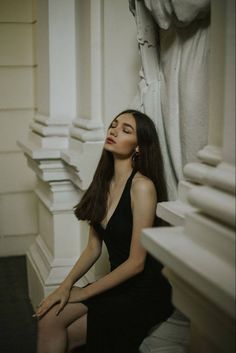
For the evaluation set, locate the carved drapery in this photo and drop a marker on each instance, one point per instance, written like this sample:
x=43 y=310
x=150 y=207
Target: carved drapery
x=173 y=38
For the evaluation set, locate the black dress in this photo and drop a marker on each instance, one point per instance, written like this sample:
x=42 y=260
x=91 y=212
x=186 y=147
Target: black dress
x=120 y=318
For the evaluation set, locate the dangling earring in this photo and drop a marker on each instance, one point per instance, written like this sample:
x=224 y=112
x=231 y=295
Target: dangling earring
x=134 y=158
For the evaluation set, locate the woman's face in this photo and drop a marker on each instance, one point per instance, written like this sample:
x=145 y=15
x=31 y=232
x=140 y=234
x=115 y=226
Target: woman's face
x=121 y=137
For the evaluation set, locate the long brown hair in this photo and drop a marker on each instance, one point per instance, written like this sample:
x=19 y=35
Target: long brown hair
x=149 y=162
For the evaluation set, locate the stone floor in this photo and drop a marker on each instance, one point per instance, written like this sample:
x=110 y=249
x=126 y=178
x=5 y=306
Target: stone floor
x=17 y=327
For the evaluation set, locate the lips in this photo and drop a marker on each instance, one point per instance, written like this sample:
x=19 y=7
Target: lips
x=109 y=140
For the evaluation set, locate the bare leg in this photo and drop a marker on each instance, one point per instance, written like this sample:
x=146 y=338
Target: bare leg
x=53 y=329
x=77 y=333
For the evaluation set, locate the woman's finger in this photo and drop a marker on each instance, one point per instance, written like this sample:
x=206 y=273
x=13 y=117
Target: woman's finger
x=61 y=307
x=41 y=303
x=43 y=309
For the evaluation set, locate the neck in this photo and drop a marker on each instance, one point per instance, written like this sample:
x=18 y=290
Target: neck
x=122 y=169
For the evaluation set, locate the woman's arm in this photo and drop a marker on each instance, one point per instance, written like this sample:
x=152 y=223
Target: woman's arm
x=144 y=201
x=62 y=293
x=86 y=260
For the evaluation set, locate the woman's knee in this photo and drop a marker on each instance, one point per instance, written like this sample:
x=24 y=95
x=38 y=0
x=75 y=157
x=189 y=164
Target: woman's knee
x=49 y=321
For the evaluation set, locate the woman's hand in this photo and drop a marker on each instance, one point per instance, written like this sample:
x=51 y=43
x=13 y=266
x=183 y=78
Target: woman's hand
x=60 y=296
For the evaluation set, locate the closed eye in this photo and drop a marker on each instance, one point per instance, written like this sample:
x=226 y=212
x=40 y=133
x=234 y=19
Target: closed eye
x=127 y=128
x=114 y=124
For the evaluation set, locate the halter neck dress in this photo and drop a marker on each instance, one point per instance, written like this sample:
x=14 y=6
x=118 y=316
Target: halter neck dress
x=120 y=318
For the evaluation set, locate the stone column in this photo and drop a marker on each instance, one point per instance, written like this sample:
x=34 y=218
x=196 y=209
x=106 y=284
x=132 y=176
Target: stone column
x=59 y=241
x=199 y=251
x=86 y=133
x=86 y=136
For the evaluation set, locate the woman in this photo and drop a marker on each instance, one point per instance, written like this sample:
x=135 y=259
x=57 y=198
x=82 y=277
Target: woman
x=115 y=313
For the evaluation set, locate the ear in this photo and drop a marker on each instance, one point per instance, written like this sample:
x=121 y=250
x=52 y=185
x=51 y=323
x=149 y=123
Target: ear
x=137 y=149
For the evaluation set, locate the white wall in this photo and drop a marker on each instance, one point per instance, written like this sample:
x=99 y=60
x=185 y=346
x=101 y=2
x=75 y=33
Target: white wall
x=18 y=210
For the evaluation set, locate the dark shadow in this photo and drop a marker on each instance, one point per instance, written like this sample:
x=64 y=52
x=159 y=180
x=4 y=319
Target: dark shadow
x=17 y=327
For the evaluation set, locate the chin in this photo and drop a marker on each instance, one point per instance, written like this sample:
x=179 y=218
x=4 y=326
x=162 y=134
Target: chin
x=108 y=147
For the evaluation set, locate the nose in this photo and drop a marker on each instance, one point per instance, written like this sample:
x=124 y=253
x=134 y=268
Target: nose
x=113 y=132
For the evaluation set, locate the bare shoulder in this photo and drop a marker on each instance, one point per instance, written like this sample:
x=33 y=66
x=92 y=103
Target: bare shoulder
x=143 y=196
x=142 y=186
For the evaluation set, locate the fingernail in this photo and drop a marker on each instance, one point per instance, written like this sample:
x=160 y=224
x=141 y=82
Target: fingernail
x=34 y=315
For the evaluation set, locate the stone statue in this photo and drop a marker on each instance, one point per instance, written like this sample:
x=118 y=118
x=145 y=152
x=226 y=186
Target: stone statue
x=173 y=38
